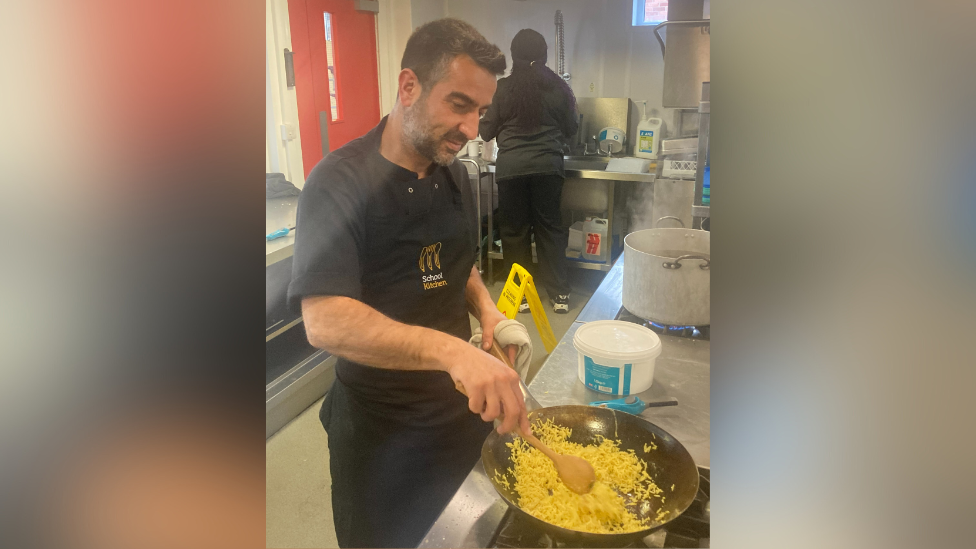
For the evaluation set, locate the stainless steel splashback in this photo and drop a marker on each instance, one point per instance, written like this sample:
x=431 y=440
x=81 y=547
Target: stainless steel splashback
x=602 y=112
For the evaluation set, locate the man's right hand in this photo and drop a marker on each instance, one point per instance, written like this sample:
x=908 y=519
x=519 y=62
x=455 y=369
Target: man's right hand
x=492 y=387
x=353 y=330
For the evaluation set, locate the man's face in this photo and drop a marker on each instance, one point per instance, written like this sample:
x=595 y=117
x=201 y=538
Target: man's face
x=446 y=116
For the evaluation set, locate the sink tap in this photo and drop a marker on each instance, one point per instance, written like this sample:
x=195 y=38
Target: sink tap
x=598 y=150
x=596 y=146
x=580 y=142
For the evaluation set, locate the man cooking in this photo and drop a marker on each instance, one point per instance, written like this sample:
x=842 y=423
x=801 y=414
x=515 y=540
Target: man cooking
x=384 y=275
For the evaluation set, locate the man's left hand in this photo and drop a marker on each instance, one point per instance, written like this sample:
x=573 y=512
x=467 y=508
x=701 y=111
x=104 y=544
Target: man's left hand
x=489 y=320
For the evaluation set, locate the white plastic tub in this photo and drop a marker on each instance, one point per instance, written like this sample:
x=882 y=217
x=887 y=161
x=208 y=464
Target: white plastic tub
x=616 y=357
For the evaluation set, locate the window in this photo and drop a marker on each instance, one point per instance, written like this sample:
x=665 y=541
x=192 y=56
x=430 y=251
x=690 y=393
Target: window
x=650 y=12
x=330 y=54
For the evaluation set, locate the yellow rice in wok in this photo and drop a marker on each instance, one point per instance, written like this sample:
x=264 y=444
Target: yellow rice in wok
x=602 y=511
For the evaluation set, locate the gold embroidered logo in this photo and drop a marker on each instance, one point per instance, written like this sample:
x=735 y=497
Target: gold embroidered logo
x=430 y=257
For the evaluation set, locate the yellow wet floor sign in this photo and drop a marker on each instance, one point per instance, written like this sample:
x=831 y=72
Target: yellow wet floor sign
x=518 y=285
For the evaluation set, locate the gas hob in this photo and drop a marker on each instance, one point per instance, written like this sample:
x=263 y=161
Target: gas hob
x=690 y=332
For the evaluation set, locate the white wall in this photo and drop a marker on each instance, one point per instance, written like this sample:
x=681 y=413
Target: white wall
x=393 y=28
x=603 y=48
x=602 y=45
x=281 y=155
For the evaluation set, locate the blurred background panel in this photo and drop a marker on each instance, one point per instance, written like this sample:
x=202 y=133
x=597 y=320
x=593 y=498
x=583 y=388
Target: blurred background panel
x=131 y=152
x=843 y=297
x=843 y=279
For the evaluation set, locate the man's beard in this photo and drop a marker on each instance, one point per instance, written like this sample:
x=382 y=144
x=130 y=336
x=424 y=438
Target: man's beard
x=420 y=135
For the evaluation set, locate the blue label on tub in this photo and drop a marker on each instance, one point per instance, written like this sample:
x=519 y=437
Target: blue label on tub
x=605 y=379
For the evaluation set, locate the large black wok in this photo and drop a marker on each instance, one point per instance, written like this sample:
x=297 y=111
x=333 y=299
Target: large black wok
x=669 y=464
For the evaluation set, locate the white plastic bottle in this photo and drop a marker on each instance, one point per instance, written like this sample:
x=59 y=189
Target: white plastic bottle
x=595 y=244
x=648 y=136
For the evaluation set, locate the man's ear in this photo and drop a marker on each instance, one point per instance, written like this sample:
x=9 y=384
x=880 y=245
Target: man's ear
x=408 y=87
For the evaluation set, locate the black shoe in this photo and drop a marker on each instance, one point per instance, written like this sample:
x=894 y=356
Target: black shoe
x=524 y=306
x=560 y=305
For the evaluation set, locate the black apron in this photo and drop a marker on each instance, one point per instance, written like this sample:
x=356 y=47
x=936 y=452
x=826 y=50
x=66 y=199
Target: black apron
x=402 y=442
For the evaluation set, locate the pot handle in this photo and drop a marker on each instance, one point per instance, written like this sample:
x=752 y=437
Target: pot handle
x=658 y=222
x=677 y=265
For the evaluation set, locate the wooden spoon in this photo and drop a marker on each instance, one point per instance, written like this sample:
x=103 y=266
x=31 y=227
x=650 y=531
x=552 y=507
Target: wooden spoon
x=575 y=472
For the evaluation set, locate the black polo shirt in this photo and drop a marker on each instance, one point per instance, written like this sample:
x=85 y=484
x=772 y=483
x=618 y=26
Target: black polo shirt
x=363 y=225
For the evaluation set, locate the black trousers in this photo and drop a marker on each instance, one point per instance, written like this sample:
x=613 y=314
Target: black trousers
x=529 y=204
x=390 y=480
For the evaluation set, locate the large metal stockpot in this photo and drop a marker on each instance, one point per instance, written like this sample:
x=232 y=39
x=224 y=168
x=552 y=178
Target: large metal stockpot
x=666 y=276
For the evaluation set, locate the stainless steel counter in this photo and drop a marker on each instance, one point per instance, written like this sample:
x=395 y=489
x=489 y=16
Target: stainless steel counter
x=589 y=186
x=682 y=372
x=297 y=373
x=611 y=176
x=279 y=213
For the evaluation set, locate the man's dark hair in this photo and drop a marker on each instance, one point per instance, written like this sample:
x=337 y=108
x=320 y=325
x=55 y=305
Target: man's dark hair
x=434 y=45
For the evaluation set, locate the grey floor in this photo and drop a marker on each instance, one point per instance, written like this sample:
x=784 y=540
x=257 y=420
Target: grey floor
x=298 y=484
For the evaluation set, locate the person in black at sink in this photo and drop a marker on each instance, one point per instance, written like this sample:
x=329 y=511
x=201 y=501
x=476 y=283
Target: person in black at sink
x=384 y=274
x=533 y=116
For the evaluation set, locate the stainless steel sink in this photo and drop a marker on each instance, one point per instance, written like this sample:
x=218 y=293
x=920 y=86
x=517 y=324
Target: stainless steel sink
x=585 y=162
x=589 y=157
x=595 y=167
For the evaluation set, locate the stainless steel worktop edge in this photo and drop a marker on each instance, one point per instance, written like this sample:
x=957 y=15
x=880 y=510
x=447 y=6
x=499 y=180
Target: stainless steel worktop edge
x=489 y=167
x=280 y=253
x=611 y=176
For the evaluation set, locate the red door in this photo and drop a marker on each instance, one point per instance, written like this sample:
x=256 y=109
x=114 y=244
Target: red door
x=335 y=74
